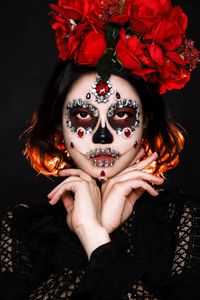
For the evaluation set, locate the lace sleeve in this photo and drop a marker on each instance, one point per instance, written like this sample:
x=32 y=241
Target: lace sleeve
x=185 y=273
x=14 y=255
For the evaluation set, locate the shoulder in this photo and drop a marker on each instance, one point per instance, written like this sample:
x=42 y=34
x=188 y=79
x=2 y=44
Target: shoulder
x=179 y=203
x=175 y=202
x=36 y=218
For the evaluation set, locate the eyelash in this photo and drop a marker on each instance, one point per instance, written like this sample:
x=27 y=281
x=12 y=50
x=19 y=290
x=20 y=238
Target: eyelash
x=124 y=114
x=81 y=118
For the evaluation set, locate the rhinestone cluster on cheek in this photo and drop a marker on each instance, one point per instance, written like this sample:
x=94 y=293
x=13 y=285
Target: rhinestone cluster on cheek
x=127 y=131
x=81 y=132
x=102 y=90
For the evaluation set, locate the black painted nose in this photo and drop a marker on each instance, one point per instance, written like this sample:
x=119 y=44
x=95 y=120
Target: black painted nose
x=102 y=136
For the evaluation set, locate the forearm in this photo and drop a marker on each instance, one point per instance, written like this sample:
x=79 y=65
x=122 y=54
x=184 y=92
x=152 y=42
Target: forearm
x=92 y=236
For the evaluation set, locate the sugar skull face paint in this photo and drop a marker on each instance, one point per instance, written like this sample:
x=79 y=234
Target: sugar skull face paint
x=124 y=116
x=81 y=117
x=105 y=135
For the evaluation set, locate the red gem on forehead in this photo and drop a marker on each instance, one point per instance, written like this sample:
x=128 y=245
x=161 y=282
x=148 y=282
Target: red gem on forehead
x=88 y=95
x=80 y=132
x=102 y=88
x=117 y=95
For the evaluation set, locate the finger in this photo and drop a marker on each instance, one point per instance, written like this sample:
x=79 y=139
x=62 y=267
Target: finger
x=139 y=155
x=76 y=172
x=116 y=200
x=141 y=175
x=143 y=163
x=146 y=186
x=67 y=187
x=128 y=207
x=128 y=186
x=50 y=195
x=71 y=178
x=68 y=204
x=133 y=175
x=147 y=161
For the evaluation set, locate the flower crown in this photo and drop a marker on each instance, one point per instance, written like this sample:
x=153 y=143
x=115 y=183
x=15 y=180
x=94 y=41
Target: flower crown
x=146 y=37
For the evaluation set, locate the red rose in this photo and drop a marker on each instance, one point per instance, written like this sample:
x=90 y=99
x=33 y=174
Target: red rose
x=92 y=49
x=157 y=54
x=77 y=10
x=65 y=19
x=145 y=14
x=172 y=76
x=158 y=21
x=133 y=55
x=65 y=41
x=170 y=31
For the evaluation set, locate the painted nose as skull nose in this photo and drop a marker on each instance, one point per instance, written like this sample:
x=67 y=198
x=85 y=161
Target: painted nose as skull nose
x=102 y=136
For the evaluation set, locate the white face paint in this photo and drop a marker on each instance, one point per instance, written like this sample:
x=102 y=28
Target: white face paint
x=102 y=138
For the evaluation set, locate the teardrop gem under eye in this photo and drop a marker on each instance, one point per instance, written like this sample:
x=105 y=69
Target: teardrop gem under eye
x=127 y=132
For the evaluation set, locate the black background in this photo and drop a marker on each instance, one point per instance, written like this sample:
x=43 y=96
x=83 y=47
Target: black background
x=28 y=56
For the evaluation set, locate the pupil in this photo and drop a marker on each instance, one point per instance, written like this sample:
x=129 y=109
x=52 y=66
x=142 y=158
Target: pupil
x=83 y=114
x=120 y=114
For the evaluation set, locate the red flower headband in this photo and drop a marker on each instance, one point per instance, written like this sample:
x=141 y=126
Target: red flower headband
x=146 y=37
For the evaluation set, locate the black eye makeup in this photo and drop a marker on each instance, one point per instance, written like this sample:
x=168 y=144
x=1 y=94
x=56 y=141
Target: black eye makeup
x=124 y=114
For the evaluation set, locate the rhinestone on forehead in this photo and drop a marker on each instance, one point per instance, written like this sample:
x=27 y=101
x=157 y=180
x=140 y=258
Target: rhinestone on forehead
x=102 y=90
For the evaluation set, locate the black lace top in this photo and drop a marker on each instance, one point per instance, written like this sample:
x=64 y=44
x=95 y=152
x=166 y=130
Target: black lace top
x=155 y=254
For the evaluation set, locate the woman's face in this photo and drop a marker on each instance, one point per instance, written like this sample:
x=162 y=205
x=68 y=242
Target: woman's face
x=102 y=125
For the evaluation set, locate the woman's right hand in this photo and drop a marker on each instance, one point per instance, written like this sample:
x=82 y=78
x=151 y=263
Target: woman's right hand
x=81 y=197
x=82 y=200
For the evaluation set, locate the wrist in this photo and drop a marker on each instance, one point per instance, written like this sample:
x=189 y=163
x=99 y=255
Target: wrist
x=92 y=236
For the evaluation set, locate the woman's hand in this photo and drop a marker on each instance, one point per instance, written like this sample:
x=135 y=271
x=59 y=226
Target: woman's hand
x=82 y=200
x=120 y=193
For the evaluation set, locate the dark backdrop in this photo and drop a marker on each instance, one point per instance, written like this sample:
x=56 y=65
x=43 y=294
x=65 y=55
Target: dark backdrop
x=28 y=56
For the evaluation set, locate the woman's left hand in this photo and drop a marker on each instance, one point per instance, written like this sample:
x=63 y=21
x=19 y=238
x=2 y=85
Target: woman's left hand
x=120 y=193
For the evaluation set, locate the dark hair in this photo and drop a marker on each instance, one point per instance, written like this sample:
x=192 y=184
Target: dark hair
x=161 y=134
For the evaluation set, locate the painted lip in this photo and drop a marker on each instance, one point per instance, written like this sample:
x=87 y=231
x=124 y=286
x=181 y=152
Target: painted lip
x=103 y=157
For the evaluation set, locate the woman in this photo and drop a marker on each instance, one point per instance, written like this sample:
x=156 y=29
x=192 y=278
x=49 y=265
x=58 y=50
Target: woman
x=109 y=233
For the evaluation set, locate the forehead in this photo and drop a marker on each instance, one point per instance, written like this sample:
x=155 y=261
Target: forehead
x=84 y=84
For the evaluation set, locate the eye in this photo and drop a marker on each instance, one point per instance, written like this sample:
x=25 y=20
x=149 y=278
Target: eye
x=121 y=115
x=83 y=115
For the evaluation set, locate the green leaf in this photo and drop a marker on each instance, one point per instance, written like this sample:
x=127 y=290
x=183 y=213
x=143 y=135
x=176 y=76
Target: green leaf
x=108 y=61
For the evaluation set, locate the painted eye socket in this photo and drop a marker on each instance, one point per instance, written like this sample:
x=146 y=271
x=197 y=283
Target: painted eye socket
x=83 y=115
x=122 y=115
